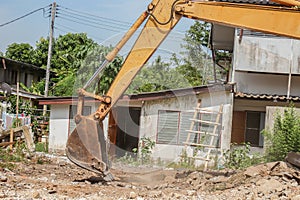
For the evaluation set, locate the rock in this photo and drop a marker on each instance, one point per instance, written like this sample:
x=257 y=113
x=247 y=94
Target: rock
x=3 y=178
x=191 y=192
x=155 y=194
x=296 y=197
x=176 y=195
x=254 y=170
x=132 y=195
x=36 y=195
x=219 y=179
x=270 y=185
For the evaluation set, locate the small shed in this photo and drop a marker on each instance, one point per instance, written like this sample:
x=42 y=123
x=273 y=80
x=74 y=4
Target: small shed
x=160 y=116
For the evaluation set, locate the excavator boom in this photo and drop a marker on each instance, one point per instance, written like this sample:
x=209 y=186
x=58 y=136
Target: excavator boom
x=86 y=145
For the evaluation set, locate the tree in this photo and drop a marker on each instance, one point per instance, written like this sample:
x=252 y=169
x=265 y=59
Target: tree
x=157 y=76
x=197 y=57
x=20 y=52
x=94 y=58
x=70 y=52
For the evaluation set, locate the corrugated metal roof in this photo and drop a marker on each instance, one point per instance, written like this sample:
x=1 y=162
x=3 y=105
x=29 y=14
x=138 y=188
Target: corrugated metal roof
x=273 y=97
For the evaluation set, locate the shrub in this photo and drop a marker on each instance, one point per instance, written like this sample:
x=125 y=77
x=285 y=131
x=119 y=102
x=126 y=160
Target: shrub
x=239 y=157
x=285 y=135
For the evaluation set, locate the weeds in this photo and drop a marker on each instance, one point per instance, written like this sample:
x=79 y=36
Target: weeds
x=41 y=147
x=140 y=157
x=239 y=157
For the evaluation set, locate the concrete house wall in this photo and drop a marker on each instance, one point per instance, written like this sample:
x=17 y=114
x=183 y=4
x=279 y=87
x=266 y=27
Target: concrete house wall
x=149 y=119
x=265 y=67
x=61 y=125
x=262 y=65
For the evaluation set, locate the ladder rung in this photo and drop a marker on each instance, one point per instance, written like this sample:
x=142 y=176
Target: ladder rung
x=200 y=145
x=208 y=111
x=201 y=158
x=193 y=157
x=206 y=122
x=202 y=132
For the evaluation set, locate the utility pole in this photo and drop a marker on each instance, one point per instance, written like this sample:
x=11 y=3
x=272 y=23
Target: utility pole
x=53 y=11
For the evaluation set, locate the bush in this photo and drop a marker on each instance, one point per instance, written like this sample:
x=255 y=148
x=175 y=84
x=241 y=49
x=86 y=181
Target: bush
x=285 y=136
x=239 y=157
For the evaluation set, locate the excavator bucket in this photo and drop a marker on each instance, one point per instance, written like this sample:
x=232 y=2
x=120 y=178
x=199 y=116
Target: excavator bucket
x=86 y=146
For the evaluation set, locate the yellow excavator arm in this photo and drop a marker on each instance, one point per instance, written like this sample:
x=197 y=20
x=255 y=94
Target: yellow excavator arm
x=86 y=145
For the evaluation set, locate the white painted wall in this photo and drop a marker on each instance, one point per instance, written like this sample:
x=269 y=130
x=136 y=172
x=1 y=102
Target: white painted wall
x=271 y=59
x=149 y=119
x=266 y=83
x=59 y=126
x=267 y=54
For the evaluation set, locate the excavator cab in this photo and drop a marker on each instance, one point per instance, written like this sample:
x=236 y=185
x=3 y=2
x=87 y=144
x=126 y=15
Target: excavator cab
x=87 y=146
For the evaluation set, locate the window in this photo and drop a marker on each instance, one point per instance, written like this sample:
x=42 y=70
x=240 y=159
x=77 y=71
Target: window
x=255 y=122
x=168 y=123
x=73 y=112
x=173 y=125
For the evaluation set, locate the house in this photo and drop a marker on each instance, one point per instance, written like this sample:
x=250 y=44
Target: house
x=143 y=115
x=12 y=72
x=12 y=75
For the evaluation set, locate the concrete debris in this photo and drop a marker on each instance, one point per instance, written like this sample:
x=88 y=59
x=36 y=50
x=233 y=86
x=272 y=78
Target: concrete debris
x=56 y=179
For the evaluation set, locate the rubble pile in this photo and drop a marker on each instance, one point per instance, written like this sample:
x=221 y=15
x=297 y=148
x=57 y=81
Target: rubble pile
x=57 y=178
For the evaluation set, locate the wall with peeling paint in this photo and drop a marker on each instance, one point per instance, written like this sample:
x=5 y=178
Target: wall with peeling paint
x=262 y=65
x=149 y=119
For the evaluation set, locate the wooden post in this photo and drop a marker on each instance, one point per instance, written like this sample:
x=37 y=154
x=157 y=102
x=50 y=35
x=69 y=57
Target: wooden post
x=53 y=12
x=11 y=139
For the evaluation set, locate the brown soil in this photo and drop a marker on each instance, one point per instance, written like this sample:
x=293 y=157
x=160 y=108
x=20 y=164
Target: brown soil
x=57 y=178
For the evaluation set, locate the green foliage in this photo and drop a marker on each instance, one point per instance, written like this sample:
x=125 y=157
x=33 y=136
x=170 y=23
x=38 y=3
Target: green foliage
x=41 y=147
x=157 y=76
x=142 y=156
x=69 y=59
x=24 y=105
x=184 y=162
x=285 y=136
x=94 y=58
x=239 y=157
x=15 y=155
x=35 y=88
x=198 y=57
x=20 y=52
x=146 y=149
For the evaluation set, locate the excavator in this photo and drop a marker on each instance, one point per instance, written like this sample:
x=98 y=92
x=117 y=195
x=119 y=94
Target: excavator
x=87 y=145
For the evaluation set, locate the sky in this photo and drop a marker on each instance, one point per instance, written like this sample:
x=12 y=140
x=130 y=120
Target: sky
x=115 y=17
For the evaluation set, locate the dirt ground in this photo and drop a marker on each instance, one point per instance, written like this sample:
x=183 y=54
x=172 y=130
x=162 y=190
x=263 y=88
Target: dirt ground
x=57 y=178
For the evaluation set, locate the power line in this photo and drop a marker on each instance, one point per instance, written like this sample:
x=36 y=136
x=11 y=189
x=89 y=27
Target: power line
x=88 y=14
x=67 y=29
x=30 y=13
x=87 y=24
x=86 y=21
x=86 y=17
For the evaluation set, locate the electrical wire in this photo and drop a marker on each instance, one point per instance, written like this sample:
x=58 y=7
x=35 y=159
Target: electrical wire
x=67 y=29
x=88 y=14
x=30 y=13
x=87 y=21
x=87 y=24
x=86 y=17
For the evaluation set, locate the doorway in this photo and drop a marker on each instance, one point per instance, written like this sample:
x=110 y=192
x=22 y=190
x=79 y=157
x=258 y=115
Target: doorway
x=124 y=123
